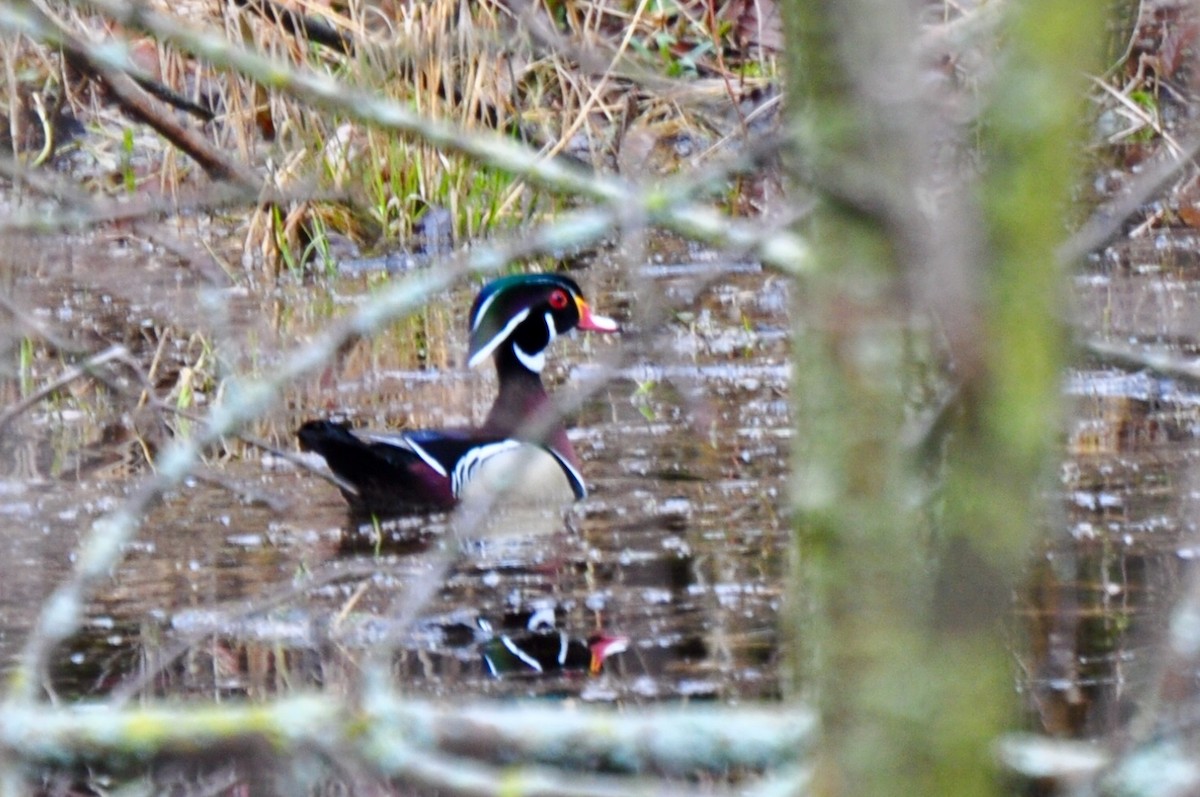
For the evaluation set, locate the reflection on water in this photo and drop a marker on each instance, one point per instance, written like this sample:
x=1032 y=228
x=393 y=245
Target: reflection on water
x=249 y=580
x=1117 y=555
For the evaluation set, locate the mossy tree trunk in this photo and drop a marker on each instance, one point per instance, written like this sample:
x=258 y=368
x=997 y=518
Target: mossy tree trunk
x=902 y=588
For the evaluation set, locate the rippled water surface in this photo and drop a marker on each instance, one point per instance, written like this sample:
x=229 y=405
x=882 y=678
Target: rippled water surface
x=1119 y=545
x=250 y=579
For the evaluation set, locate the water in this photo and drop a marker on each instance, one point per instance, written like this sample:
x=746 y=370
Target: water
x=1119 y=541
x=250 y=580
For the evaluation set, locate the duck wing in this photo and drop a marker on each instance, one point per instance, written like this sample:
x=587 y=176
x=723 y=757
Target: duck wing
x=389 y=472
x=428 y=469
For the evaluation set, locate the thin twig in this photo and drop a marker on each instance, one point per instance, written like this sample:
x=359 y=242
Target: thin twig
x=86 y=215
x=1131 y=357
x=299 y=460
x=86 y=368
x=139 y=103
x=245 y=400
x=231 y=615
x=41 y=330
x=1105 y=223
x=1140 y=114
x=783 y=250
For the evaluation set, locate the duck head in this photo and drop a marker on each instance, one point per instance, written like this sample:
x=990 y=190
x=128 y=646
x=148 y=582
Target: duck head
x=524 y=313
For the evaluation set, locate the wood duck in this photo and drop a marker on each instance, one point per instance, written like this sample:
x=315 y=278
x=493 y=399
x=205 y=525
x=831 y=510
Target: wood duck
x=513 y=320
x=541 y=649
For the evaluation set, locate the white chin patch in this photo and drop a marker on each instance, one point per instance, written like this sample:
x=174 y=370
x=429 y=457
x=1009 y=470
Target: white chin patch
x=534 y=362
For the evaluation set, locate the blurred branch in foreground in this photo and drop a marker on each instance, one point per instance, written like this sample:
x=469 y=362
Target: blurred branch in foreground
x=421 y=742
x=649 y=206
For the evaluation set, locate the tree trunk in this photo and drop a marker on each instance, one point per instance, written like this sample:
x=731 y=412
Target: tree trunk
x=901 y=587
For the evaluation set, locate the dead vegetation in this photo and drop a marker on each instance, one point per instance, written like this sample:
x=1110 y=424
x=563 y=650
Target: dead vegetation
x=651 y=87
x=294 y=179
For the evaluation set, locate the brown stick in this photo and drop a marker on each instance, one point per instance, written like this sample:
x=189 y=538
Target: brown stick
x=139 y=104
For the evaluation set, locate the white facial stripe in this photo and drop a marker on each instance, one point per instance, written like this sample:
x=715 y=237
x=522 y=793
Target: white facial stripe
x=482 y=309
x=562 y=648
x=498 y=338
x=534 y=362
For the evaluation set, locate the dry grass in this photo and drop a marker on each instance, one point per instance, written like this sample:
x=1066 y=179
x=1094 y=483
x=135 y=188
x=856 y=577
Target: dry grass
x=569 y=80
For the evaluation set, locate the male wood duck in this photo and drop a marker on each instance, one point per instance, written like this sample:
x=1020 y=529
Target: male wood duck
x=513 y=320
x=542 y=649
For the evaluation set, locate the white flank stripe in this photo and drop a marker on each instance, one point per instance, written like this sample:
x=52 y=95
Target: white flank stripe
x=428 y=458
x=407 y=444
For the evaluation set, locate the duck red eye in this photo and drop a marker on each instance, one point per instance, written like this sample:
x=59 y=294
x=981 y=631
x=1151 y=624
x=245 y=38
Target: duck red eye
x=558 y=300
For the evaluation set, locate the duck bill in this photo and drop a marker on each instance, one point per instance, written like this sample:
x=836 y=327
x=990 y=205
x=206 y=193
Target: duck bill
x=593 y=322
x=604 y=646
